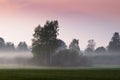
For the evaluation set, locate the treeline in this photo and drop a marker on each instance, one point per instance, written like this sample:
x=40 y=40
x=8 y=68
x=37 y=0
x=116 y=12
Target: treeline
x=47 y=49
x=9 y=46
x=113 y=46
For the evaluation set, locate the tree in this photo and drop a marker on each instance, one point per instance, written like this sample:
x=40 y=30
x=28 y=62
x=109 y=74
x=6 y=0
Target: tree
x=45 y=41
x=114 y=44
x=66 y=58
x=91 y=46
x=62 y=46
x=100 y=50
x=2 y=43
x=10 y=46
x=74 y=46
x=69 y=57
x=22 y=46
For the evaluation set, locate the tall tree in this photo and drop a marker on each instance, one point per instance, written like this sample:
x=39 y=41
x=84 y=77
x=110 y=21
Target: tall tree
x=91 y=46
x=45 y=41
x=74 y=45
x=114 y=44
x=2 y=44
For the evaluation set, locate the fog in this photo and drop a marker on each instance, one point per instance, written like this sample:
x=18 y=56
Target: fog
x=15 y=59
x=104 y=59
x=24 y=60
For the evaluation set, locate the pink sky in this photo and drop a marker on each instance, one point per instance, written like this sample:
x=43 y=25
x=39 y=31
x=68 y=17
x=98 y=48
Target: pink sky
x=84 y=18
x=108 y=8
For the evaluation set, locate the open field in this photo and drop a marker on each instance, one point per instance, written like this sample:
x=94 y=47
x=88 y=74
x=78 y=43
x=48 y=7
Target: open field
x=17 y=67
x=59 y=74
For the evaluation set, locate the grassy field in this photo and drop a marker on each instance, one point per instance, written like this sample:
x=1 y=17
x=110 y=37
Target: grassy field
x=59 y=74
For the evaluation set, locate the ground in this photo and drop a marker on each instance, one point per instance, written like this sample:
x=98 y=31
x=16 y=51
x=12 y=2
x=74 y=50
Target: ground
x=60 y=74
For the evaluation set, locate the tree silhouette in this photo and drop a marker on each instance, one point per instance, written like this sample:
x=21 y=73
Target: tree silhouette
x=100 y=50
x=22 y=46
x=62 y=46
x=91 y=46
x=10 y=46
x=114 y=44
x=2 y=43
x=74 y=45
x=45 y=41
x=66 y=57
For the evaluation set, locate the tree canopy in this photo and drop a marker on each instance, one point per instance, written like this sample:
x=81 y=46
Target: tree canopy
x=91 y=46
x=45 y=40
x=100 y=50
x=114 y=44
x=22 y=46
x=74 y=45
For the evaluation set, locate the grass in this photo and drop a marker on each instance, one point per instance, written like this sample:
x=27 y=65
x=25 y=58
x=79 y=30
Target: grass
x=59 y=74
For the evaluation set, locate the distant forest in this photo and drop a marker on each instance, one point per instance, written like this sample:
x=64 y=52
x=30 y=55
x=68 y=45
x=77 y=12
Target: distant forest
x=48 y=50
x=9 y=46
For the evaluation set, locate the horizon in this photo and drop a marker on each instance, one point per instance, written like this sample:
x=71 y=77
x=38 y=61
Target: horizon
x=81 y=19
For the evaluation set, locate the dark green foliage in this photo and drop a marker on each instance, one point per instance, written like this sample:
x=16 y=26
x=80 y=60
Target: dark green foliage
x=114 y=45
x=100 y=50
x=60 y=74
x=45 y=41
x=46 y=34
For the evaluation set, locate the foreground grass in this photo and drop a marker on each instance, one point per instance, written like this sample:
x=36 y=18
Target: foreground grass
x=60 y=74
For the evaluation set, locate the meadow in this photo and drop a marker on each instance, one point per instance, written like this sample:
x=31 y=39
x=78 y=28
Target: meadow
x=60 y=74
x=16 y=67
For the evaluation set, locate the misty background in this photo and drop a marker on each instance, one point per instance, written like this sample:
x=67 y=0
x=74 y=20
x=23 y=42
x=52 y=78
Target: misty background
x=88 y=33
x=48 y=50
x=85 y=19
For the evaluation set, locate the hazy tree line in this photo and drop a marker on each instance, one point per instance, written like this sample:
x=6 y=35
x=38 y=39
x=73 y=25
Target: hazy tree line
x=49 y=50
x=9 y=46
x=113 y=46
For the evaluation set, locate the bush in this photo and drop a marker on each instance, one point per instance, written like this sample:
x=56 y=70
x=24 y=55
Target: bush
x=69 y=58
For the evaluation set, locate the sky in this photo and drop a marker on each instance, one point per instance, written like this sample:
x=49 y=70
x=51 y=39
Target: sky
x=80 y=19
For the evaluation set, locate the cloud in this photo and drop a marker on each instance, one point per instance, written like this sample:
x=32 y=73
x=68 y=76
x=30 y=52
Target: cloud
x=93 y=7
x=100 y=8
